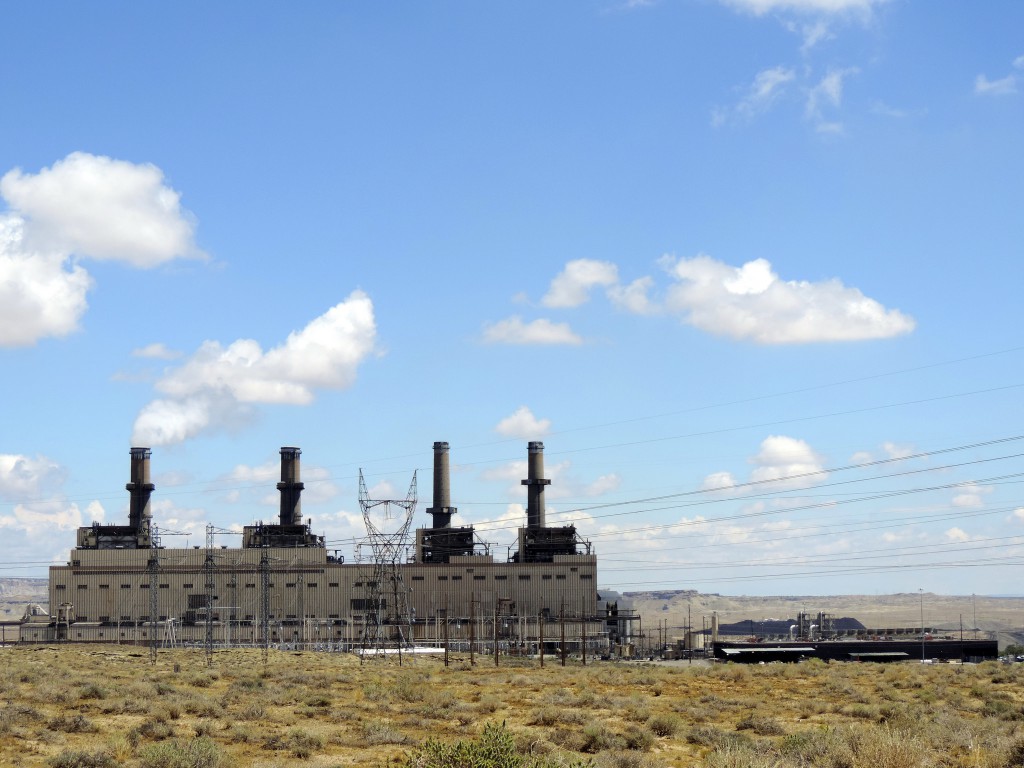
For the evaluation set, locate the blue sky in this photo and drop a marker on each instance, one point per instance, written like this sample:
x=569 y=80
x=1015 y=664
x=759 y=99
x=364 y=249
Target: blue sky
x=749 y=268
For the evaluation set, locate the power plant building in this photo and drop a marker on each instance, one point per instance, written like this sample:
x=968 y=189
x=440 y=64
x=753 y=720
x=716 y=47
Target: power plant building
x=283 y=586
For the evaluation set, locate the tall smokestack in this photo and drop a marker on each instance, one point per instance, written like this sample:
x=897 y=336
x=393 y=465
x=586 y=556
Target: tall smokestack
x=140 y=516
x=535 y=517
x=290 y=487
x=442 y=509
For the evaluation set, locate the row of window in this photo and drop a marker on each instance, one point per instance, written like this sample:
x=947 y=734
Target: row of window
x=334 y=584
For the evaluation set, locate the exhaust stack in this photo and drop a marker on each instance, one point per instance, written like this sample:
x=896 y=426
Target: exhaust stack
x=442 y=509
x=140 y=516
x=535 y=482
x=290 y=487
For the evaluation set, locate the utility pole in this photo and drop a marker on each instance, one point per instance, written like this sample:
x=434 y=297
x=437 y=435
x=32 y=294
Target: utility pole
x=153 y=566
x=208 y=571
x=583 y=635
x=921 y=592
x=561 y=621
x=446 y=631
x=472 y=627
x=265 y=608
x=540 y=633
x=495 y=632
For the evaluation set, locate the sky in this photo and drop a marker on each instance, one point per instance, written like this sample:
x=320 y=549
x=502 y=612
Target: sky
x=750 y=269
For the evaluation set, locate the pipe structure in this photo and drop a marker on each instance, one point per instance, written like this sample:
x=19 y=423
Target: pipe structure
x=290 y=487
x=442 y=509
x=535 y=482
x=140 y=516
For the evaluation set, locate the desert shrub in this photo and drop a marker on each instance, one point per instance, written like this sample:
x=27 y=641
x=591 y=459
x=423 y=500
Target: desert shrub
x=72 y=724
x=202 y=706
x=204 y=727
x=888 y=748
x=598 y=737
x=254 y=711
x=742 y=756
x=200 y=681
x=709 y=736
x=762 y=726
x=549 y=716
x=303 y=743
x=488 y=704
x=663 y=724
x=826 y=747
x=379 y=732
x=638 y=738
x=494 y=749
x=154 y=729
x=71 y=758
x=192 y=753
x=625 y=760
x=92 y=691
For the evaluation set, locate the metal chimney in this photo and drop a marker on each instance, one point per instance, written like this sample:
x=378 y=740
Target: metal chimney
x=140 y=516
x=535 y=517
x=442 y=509
x=290 y=487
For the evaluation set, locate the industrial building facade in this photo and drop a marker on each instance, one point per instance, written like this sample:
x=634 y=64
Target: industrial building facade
x=282 y=585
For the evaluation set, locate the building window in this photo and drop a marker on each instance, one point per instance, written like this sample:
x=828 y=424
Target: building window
x=83 y=586
x=312 y=585
x=104 y=618
x=414 y=578
x=290 y=586
x=574 y=569
x=186 y=586
x=143 y=586
x=456 y=578
x=524 y=577
x=586 y=576
x=501 y=578
x=126 y=586
x=104 y=586
x=333 y=584
x=560 y=577
x=126 y=618
x=165 y=586
x=250 y=586
x=546 y=577
x=61 y=586
x=442 y=578
x=479 y=578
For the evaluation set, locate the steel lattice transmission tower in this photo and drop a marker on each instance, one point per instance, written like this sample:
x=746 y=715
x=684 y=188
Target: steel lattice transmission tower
x=387 y=620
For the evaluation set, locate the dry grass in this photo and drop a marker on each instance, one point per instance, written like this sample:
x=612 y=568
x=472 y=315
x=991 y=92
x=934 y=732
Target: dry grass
x=94 y=707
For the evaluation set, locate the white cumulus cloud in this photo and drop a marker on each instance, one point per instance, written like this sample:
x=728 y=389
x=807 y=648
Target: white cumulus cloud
x=96 y=206
x=541 y=331
x=217 y=386
x=523 y=424
x=752 y=303
x=786 y=459
x=84 y=206
x=972 y=496
x=25 y=477
x=571 y=287
x=957 y=534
